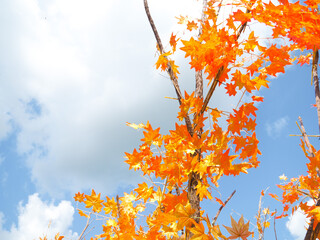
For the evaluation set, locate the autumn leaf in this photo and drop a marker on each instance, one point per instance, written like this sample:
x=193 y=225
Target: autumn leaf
x=219 y=201
x=163 y=61
x=58 y=237
x=81 y=213
x=274 y=196
x=173 y=42
x=94 y=201
x=144 y=191
x=182 y=20
x=135 y=126
x=239 y=229
x=198 y=231
x=191 y=25
x=79 y=197
x=304 y=59
x=257 y=98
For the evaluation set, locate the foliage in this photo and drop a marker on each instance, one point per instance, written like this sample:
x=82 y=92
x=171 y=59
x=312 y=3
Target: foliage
x=184 y=165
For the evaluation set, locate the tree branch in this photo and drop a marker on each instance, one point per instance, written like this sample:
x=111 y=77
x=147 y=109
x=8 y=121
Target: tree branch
x=312 y=232
x=315 y=60
x=221 y=207
x=199 y=78
x=169 y=67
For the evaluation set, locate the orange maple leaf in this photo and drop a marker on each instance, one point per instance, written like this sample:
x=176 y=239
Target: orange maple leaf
x=81 y=213
x=192 y=25
x=58 y=237
x=94 y=201
x=144 y=191
x=219 y=201
x=163 y=61
x=304 y=59
x=79 y=197
x=239 y=230
x=173 y=42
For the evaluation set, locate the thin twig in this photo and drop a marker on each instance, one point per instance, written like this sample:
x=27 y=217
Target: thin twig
x=260 y=231
x=297 y=135
x=305 y=137
x=274 y=225
x=85 y=228
x=221 y=207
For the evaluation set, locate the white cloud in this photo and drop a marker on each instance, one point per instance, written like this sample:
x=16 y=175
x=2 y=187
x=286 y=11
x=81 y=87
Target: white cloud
x=298 y=223
x=89 y=67
x=38 y=219
x=275 y=128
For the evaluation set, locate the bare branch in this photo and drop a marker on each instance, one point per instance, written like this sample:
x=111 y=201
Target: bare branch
x=297 y=135
x=85 y=228
x=221 y=207
x=274 y=226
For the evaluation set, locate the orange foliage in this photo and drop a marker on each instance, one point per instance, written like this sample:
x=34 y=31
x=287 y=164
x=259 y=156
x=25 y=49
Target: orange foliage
x=245 y=64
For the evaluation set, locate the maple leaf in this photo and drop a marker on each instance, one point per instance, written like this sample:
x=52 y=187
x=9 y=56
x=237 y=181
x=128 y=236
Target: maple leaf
x=79 y=197
x=199 y=232
x=81 y=213
x=110 y=206
x=135 y=126
x=192 y=25
x=219 y=201
x=251 y=43
x=238 y=230
x=182 y=20
x=173 y=42
x=58 y=237
x=163 y=61
x=94 y=201
x=184 y=215
x=144 y=191
x=257 y=98
x=304 y=59
x=202 y=191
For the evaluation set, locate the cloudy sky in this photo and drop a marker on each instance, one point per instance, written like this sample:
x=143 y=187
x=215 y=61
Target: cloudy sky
x=73 y=72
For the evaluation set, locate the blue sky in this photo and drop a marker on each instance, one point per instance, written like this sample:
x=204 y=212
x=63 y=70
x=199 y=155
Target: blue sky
x=73 y=72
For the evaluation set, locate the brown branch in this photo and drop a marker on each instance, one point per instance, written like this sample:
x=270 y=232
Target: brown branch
x=199 y=78
x=221 y=207
x=315 y=60
x=169 y=67
x=118 y=206
x=305 y=137
x=311 y=234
